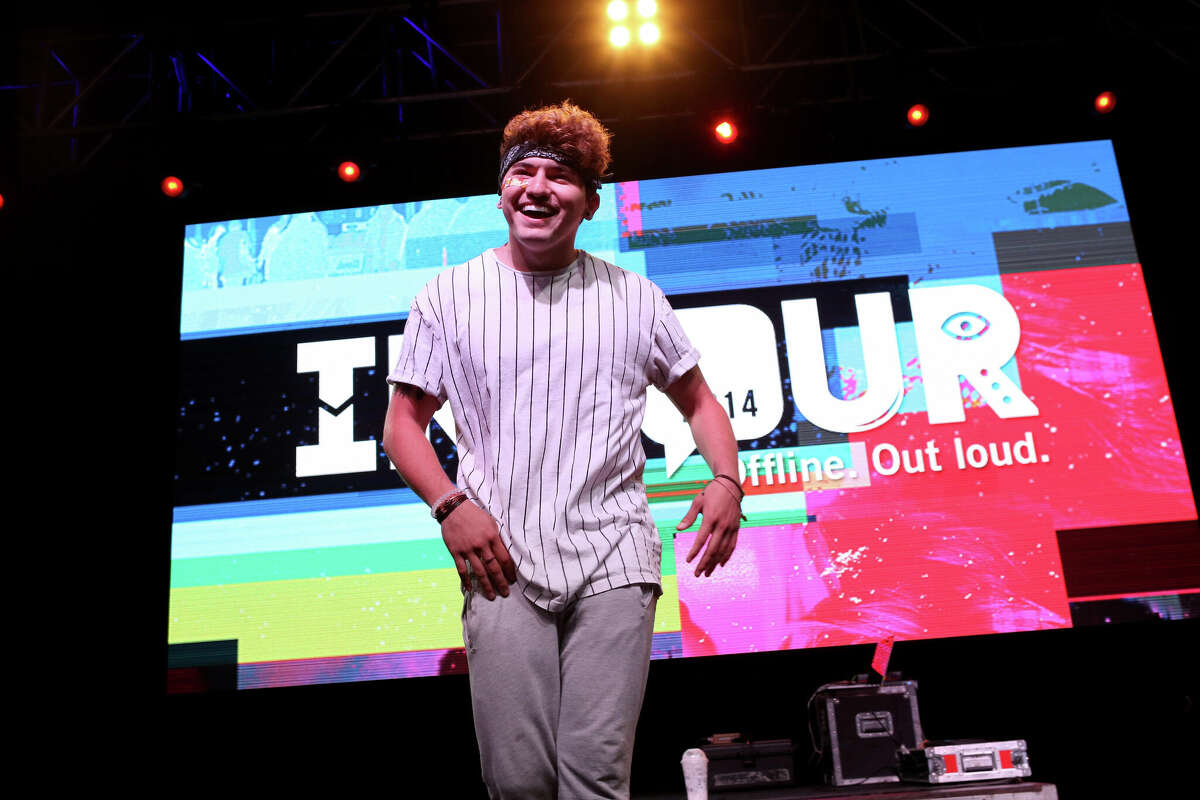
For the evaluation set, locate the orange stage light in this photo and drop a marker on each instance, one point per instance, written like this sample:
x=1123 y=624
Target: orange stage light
x=725 y=131
x=171 y=186
x=1105 y=102
x=349 y=171
x=918 y=115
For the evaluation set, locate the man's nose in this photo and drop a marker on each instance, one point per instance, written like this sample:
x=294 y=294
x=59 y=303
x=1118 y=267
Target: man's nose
x=538 y=183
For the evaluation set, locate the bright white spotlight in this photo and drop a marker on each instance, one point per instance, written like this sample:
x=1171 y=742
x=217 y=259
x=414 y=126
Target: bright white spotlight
x=648 y=33
x=619 y=36
x=618 y=10
x=647 y=8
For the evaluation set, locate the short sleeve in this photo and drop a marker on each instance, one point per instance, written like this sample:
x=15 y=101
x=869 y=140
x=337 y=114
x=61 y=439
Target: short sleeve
x=422 y=358
x=671 y=353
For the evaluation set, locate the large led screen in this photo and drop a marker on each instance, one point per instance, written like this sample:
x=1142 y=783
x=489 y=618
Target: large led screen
x=942 y=372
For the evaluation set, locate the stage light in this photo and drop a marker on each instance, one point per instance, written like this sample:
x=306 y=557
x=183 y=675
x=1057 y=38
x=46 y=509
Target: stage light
x=349 y=171
x=1105 y=102
x=725 y=131
x=647 y=33
x=171 y=186
x=1 y=201
x=918 y=115
x=619 y=36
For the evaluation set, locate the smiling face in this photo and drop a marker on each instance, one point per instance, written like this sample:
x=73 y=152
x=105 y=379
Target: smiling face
x=544 y=203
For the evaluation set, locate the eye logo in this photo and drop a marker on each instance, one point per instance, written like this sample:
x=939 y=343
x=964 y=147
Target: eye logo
x=966 y=325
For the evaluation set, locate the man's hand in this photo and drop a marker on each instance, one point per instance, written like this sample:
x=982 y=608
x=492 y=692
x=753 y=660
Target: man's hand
x=722 y=517
x=470 y=532
x=719 y=503
x=472 y=538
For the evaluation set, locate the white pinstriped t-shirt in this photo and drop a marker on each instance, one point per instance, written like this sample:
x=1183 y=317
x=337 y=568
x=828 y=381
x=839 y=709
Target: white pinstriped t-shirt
x=546 y=374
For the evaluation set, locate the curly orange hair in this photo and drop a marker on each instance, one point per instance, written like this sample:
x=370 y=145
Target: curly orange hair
x=566 y=127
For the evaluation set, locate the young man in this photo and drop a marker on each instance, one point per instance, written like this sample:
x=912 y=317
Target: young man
x=545 y=354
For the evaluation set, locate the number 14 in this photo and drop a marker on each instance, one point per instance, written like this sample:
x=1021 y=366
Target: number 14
x=748 y=405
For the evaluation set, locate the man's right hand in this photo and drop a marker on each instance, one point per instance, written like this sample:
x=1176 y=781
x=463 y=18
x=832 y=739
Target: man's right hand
x=472 y=538
x=470 y=533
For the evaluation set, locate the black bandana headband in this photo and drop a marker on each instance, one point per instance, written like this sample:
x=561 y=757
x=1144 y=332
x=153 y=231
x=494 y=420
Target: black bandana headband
x=531 y=150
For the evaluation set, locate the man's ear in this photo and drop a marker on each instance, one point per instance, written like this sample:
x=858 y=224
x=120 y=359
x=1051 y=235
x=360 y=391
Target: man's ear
x=593 y=203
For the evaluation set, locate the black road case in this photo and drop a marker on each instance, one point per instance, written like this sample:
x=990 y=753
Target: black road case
x=862 y=726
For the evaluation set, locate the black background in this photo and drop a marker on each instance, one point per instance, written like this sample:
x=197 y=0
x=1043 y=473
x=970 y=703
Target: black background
x=241 y=401
x=93 y=263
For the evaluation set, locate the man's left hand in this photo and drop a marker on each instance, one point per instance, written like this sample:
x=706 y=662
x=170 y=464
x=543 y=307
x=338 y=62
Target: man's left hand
x=722 y=517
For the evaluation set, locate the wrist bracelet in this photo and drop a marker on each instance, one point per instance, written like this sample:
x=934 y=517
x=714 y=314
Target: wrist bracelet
x=433 y=507
x=731 y=480
x=449 y=507
x=731 y=494
x=442 y=508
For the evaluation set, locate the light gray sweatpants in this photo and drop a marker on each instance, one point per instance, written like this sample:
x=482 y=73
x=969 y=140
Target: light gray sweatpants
x=556 y=696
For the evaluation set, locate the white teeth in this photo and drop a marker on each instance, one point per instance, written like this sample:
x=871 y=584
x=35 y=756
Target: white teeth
x=537 y=212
